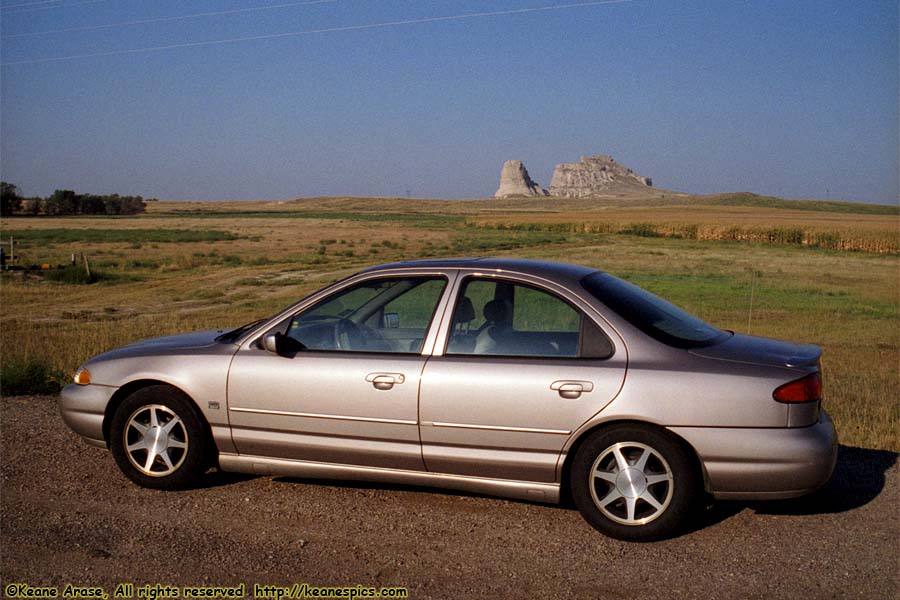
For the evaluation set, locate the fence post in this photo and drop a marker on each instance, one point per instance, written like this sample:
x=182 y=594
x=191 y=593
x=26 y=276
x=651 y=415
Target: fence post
x=87 y=267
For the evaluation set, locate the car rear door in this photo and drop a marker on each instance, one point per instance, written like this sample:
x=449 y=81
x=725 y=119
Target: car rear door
x=518 y=366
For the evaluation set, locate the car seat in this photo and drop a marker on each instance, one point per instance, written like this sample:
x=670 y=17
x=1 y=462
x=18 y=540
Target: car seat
x=498 y=321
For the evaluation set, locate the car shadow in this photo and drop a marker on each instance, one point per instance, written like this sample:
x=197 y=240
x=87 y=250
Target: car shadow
x=391 y=487
x=217 y=478
x=858 y=478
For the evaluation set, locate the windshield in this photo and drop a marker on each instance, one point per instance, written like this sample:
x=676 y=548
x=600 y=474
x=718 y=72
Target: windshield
x=651 y=314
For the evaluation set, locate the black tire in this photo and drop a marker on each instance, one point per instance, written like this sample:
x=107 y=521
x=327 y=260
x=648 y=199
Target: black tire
x=178 y=441
x=603 y=491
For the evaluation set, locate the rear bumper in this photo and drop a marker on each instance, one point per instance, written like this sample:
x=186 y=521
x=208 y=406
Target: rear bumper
x=83 y=407
x=764 y=464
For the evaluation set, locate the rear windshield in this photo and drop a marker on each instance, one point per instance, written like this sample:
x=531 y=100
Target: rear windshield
x=651 y=314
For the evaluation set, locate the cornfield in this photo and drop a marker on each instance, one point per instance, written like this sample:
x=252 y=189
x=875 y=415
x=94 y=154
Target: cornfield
x=851 y=240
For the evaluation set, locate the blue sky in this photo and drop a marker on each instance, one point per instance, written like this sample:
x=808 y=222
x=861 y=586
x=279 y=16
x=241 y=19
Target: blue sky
x=791 y=98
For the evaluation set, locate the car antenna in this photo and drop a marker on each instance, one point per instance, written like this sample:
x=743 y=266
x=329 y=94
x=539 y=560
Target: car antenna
x=752 y=289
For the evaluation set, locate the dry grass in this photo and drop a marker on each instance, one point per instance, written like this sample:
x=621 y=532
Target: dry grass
x=845 y=301
x=855 y=232
x=648 y=199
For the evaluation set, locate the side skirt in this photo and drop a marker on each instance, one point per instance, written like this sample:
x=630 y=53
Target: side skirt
x=521 y=490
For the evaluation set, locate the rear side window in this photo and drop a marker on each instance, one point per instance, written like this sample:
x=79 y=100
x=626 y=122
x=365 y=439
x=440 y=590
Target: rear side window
x=502 y=318
x=539 y=311
x=659 y=319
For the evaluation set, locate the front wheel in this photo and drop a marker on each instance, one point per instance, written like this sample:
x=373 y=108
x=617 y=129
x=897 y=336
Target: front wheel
x=634 y=483
x=158 y=439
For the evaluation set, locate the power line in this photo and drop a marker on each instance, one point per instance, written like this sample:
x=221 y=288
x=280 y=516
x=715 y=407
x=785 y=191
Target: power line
x=176 y=18
x=5 y=6
x=460 y=17
x=29 y=8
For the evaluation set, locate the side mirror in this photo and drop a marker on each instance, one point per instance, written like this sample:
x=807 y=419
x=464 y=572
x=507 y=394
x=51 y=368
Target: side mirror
x=391 y=321
x=270 y=343
x=282 y=345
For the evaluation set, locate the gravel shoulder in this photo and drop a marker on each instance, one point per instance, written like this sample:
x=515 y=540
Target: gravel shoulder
x=67 y=515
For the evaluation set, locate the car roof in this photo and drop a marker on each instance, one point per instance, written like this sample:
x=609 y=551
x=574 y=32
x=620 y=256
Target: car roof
x=542 y=268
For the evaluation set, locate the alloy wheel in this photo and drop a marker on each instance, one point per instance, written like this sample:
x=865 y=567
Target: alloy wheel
x=155 y=440
x=631 y=483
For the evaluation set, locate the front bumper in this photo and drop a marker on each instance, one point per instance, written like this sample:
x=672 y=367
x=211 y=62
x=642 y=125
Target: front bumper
x=764 y=464
x=83 y=407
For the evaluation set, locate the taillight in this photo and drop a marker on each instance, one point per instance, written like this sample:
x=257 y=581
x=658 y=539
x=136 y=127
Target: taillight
x=806 y=389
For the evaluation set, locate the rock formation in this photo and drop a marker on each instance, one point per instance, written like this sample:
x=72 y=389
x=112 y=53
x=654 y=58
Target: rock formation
x=593 y=176
x=514 y=181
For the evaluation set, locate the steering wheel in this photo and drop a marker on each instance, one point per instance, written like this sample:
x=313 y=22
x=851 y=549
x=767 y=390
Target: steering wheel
x=348 y=335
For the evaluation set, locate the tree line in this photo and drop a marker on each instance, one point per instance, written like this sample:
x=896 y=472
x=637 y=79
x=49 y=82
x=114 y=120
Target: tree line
x=67 y=202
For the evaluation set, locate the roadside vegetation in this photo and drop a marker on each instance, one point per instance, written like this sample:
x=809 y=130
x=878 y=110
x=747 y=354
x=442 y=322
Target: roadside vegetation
x=29 y=376
x=826 y=273
x=67 y=202
x=109 y=235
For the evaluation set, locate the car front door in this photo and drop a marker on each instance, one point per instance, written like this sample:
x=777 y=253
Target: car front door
x=523 y=366
x=343 y=387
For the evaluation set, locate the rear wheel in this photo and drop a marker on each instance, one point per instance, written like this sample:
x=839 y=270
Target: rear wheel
x=158 y=439
x=634 y=483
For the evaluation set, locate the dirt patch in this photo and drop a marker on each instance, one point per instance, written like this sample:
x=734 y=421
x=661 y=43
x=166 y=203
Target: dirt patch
x=69 y=516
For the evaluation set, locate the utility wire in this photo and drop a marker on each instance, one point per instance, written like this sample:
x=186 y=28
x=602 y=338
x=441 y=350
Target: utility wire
x=460 y=17
x=177 y=18
x=5 y=6
x=24 y=8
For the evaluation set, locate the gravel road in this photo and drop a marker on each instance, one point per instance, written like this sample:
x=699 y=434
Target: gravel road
x=69 y=516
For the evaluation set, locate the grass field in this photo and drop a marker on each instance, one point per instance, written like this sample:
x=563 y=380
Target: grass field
x=819 y=272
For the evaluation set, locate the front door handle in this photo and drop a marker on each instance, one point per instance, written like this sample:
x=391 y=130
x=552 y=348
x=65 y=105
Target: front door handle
x=571 y=389
x=385 y=381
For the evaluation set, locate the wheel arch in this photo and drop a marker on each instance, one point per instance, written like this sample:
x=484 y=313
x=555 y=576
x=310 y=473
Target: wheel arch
x=565 y=471
x=133 y=386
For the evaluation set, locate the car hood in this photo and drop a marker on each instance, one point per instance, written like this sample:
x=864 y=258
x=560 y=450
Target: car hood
x=762 y=351
x=165 y=345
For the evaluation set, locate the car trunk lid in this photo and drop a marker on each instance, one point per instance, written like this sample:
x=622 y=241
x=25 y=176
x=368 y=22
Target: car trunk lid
x=762 y=351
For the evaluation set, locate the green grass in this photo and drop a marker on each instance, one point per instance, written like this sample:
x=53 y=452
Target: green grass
x=74 y=274
x=24 y=376
x=181 y=262
x=71 y=275
x=419 y=220
x=38 y=237
x=480 y=242
x=748 y=199
x=695 y=291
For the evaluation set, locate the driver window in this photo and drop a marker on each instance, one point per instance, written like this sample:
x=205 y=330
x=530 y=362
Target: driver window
x=382 y=315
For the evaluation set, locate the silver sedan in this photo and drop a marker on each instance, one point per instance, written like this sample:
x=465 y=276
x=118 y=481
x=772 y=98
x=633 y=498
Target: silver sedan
x=516 y=378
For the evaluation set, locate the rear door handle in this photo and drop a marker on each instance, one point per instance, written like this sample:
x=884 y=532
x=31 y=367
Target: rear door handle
x=385 y=381
x=571 y=389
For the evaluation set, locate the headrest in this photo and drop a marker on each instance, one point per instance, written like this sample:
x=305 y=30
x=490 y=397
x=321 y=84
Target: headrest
x=465 y=312
x=498 y=311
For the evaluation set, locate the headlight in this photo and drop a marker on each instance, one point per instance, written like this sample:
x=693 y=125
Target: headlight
x=82 y=376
